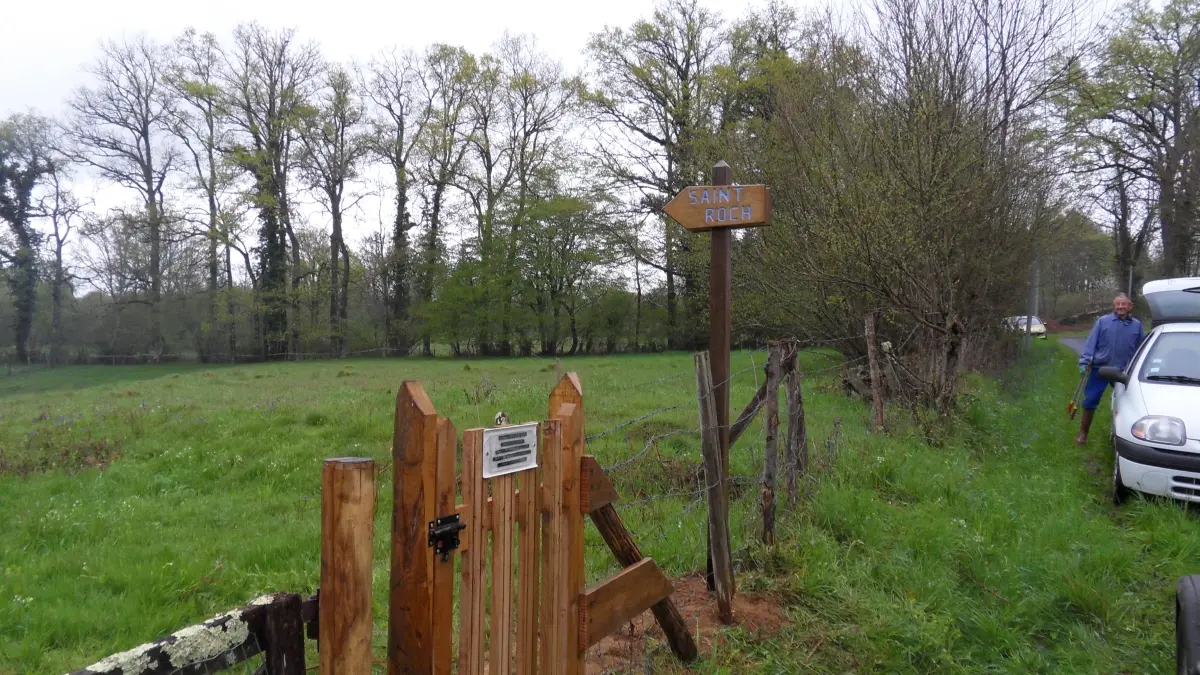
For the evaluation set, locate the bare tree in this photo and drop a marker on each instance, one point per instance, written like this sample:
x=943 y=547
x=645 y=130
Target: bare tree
x=537 y=102
x=402 y=113
x=63 y=211
x=446 y=79
x=119 y=127
x=197 y=121
x=333 y=148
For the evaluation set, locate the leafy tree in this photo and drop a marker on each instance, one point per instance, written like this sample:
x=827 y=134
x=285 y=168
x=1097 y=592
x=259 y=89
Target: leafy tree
x=26 y=163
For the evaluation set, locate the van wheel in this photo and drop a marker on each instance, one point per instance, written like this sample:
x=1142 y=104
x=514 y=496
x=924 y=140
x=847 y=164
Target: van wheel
x=1120 y=493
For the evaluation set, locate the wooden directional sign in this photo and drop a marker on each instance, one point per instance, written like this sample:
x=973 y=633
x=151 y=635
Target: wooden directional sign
x=700 y=208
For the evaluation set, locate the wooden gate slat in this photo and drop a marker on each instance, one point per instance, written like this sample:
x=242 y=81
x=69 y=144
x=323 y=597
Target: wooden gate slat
x=553 y=630
x=527 y=569
x=410 y=605
x=471 y=656
x=572 y=456
x=501 y=642
x=443 y=570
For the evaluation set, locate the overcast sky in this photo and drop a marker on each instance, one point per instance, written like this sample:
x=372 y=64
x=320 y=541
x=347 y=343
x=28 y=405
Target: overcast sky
x=44 y=44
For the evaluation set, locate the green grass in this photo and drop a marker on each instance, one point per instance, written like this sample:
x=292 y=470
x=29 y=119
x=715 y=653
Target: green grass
x=997 y=551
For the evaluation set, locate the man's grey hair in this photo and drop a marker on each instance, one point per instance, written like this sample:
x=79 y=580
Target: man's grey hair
x=1122 y=296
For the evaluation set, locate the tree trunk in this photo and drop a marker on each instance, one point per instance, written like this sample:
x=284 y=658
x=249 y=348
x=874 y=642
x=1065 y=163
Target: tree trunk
x=56 y=332
x=156 y=341
x=335 y=289
x=1175 y=234
x=574 y=336
x=229 y=301
x=672 y=294
x=23 y=283
x=397 y=338
x=214 y=272
x=293 y=304
x=344 y=301
x=430 y=255
x=637 y=323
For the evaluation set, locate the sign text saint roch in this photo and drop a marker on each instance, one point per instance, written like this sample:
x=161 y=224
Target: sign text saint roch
x=707 y=207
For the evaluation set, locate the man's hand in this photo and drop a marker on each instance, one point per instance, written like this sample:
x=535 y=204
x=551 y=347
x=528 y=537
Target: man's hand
x=1082 y=369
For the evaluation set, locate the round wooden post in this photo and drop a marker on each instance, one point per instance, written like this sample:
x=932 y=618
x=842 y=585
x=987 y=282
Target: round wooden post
x=720 y=337
x=347 y=536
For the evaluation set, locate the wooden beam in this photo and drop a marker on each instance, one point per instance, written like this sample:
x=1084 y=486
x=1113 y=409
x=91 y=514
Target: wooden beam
x=751 y=410
x=214 y=645
x=597 y=489
x=626 y=551
x=608 y=605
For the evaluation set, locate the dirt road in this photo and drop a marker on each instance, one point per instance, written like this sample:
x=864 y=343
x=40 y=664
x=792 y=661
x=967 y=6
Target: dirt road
x=1076 y=344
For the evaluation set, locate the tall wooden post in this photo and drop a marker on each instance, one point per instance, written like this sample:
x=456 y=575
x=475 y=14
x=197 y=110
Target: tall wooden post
x=347 y=536
x=720 y=335
x=717 y=209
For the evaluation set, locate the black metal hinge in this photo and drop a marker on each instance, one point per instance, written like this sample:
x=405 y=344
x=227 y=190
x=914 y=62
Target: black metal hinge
x=443 y=535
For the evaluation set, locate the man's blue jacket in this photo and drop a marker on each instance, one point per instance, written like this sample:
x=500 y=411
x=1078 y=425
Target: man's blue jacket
x=1112 y=341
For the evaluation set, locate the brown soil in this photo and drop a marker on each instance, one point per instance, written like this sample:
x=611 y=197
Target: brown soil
x=625 y=650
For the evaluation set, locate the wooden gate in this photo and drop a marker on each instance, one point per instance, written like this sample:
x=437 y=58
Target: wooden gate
x=522 y=604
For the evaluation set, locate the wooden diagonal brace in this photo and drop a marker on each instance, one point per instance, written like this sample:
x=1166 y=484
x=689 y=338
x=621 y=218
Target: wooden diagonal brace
x=626 y=551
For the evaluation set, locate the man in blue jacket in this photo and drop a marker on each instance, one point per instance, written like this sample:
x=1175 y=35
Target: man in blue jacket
x=1112 y=342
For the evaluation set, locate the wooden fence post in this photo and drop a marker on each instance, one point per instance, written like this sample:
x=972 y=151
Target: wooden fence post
x=410 y=595
x=797 y=432
x=876 y=377
x=771 y=421
x=347 y=538
x=552 y=623
x=714 y=478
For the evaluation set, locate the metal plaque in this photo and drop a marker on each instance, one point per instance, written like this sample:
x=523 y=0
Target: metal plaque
x=509 y=449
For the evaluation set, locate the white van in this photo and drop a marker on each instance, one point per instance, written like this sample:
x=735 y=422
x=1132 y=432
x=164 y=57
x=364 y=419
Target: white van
x=1156 y=399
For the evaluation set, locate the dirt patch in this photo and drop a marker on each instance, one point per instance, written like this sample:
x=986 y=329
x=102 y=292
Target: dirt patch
x=626 y=650
x=72 y=457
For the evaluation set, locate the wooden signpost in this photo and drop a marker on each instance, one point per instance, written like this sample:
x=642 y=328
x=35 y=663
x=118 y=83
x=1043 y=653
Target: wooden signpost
x=720 y=208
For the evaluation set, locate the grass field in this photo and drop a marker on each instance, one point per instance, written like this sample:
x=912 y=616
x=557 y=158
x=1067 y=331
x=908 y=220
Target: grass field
x=139 y=500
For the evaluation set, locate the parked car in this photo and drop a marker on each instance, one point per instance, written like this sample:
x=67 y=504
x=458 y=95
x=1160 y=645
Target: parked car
x=1018 y=323
x=1156 y=399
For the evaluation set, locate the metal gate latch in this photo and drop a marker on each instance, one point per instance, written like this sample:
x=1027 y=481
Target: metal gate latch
x=443 y=535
